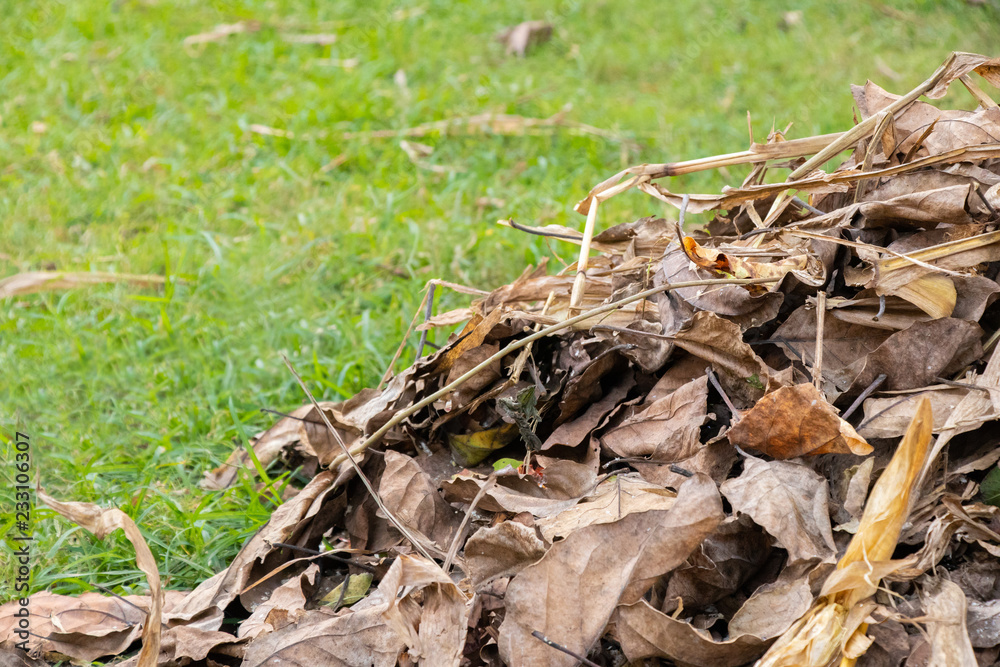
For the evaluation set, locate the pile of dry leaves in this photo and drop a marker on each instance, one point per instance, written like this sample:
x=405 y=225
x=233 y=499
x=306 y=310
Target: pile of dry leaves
x=764 y=440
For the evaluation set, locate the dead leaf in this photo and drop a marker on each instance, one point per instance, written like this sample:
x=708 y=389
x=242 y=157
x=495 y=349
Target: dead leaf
x=358 y=636
x=611 y=501
x=611 y=563
x=410 y=494
x=666 y=431
x=47 y=281
x=796 y=421
x=945 y=608
x=789 y=501
x=519 y=39
x=222 y=31
x=433 y=629
x=501 y=551
x=102 y=522
x=286 y=600
x=645 y=632
x=84 y=628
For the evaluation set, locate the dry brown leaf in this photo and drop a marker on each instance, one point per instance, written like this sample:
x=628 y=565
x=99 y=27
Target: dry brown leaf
x=85 y=628
x=221 y=31
x=357 y=636
x=102 y=522
x=915 y=357
x=286 y=600
x=205 y=604
x=502 y=550
x=47 y=281
x=411 y=495
x=611 y=563
x=575 y=431
x=889 y=417
x=644 y=632
x=720 y=342
x=434 y=629
x=945 y=610
x=796 y=421
x=789 y=501
x=666 y=431
x=562 y=485
x=612 y=500
x=519 y=39
x=719 y=567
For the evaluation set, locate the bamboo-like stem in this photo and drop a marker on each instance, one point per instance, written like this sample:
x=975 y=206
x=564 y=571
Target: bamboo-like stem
x=527 y=340
x=580 y=284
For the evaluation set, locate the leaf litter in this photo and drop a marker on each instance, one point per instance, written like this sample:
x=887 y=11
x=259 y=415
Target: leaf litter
x=771 y=440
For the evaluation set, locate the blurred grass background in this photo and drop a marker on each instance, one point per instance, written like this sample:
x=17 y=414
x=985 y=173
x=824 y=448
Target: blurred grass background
x=122 y=149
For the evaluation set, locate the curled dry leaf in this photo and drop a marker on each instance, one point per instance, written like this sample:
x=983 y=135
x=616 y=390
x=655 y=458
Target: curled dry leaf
x=796 y=421
x=666 y=431
x=789 y=501
x=410 y=494
x=945 y=610
x=102 y=522
x=611 y=563
x=84 y=628
x=502 y=550
x=612 y=500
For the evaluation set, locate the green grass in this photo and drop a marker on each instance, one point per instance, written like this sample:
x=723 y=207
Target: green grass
x=122 y=150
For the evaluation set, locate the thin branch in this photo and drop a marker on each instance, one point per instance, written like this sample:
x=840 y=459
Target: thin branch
x=817 y=369
x=722 y=392
x=863 y=395
x=428 y=313
x=559 y=647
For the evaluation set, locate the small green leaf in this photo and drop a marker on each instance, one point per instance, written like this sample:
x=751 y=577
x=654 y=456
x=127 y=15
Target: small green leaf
x=990 y=488
x=754 y=380
x=500 y=464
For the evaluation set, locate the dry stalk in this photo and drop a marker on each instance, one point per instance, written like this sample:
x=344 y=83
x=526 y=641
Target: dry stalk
x=518 y=344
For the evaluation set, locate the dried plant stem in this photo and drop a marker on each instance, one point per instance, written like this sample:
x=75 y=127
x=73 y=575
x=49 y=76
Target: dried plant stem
x=427 y=316
x=820 y=327
x=559 y=647
x=580 y=284
x=527 y=340
x=417 y=544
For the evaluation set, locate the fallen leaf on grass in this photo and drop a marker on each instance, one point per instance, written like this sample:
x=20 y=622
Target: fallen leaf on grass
x=796 y=421
x=102 y=522
x=611 y=563
x=47 y=281
x=789 y=501
x=221 y=31
x=524 y=36
x=322 y=39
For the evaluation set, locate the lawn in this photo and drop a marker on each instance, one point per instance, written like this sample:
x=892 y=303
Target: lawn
x=124 y=149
